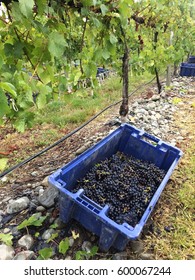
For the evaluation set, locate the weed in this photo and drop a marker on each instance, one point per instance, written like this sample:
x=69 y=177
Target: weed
x=6 y=238
x=34 y=220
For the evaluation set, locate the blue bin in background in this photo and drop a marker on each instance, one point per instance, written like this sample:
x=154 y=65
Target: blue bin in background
x=132 y=142
x=191 y=59
x=187 y=69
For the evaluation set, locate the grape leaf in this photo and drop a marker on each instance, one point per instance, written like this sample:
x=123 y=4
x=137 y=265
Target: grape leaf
x=6 y=238
x=64 y=246
x=34 y=220
x=57 y=44
x=45 y=253
x=9 y=88
x=26 y=7
x=104 y=9
x=20 y=125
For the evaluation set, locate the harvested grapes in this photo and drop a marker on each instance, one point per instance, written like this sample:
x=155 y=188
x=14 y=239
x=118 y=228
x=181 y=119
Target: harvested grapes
x=125 y=183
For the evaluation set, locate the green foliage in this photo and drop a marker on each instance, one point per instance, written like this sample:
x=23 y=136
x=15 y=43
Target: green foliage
x=35 y=220
x=64 y=246
x=81 y=255
x=6 y=238
x=53 y=236
x=39 y=44
x=45 y=254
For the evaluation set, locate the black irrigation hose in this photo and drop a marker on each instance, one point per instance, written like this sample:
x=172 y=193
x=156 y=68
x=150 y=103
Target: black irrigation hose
x=68 y=135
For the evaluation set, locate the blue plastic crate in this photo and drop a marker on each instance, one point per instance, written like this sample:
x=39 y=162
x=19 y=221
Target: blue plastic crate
x=187 y=69
x=132 y=142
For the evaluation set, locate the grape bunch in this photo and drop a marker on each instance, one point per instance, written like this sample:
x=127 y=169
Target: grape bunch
x=125 y=183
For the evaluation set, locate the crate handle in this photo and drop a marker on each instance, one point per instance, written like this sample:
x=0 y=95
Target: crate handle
x=150 y=139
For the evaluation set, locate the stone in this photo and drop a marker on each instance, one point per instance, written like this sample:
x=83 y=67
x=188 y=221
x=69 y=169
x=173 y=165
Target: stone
x=6 y=252
x=71 y=241
x=18 y=205
x=16 y=232
x=135 y=104
x=151 y=106
x=6 y=230
x=82 y=149
x=1 y=218
x=120 y=256
x=26 y=241
x=4 y=179
x=45 y=182
x=47 y=199
x=137 y=246
x=146 y=256
x=48 y=233
x=37 y=189
x=163 y=94
x=158 y=116
x=34 y=174
x=59 y=223
x=24 y=255
x=6 y=199
x=86 y=246
x=154 y=124
x=156 y=132
x=41 y=191
x=155 y=97
x=40 y=208
x=68 y=258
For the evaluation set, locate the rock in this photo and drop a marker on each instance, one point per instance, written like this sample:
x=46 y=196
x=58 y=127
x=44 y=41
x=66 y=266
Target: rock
x=59 y=223
x=6 y=199
x=137 y=246
x=154 y=124
x=151 y=106
x=16 y=232
x=40 y=208
x=45 y=182
x=18 y=205
x=6 y=252
x=191 y=91
x=142 y=111
x=6 y=230
x=113 y=122
x=41 y=191
x=1 y=218
x=158 y=116
x=71 y=241
x=24 y=255
x=180 y=138
x=37 y=189
x=86 y=246
x=135 y=105
x=26 y=241
x=48 y=233
x=82 y=149
x=47 y=199
x=4 y=179
x=156 y=132
x=120 y=256
x=68 y=258
x=34 y=174
x=155 y=97
x=163 y=94
x=146 y=256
